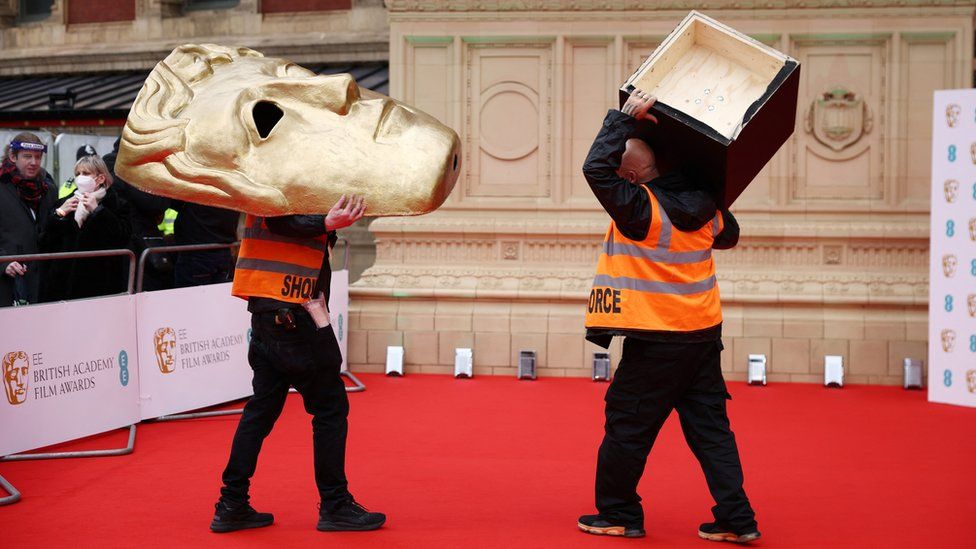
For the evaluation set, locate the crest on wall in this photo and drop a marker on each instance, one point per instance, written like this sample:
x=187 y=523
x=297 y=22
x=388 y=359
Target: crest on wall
x=838 y=118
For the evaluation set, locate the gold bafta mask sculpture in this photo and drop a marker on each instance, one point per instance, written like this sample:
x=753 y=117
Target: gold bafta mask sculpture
x=165 y=342
x=971 y=304
x=16 y=365
x=231 y=128
x=948 y=340
x=949 y=262
x=951 y=189
x=971 y=380
x=952 y=114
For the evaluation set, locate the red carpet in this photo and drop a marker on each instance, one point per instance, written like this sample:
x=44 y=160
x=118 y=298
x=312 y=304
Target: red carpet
x=494 y=462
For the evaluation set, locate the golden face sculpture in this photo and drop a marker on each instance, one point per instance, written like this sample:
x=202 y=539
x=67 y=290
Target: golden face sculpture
x=951 y=190
x=952 y=114
x=949 y=262
x=229 y=127
x=948 y=340
x=165 y=342
x=16 y=365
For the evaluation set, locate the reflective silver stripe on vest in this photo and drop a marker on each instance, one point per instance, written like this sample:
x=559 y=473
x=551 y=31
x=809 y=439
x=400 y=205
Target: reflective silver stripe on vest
x=257 y=233
x=661 y=254
x=715 y=225
x=636 y=284
x=276 y=267
x=264 y=234
x=658 y=255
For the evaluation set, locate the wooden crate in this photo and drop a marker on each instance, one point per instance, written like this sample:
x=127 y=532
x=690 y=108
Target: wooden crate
x=726 y=103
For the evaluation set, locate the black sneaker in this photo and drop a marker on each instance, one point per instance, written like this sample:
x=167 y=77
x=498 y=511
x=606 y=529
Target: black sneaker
x=596 y=524
x=350 y=517
x=229 y=519
x=714 y=531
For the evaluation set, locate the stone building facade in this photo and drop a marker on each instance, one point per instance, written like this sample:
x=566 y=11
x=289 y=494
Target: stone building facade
x=833 y=258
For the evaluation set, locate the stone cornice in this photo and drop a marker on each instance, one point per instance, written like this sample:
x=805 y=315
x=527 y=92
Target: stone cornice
x=665 y=5
x=801 y=286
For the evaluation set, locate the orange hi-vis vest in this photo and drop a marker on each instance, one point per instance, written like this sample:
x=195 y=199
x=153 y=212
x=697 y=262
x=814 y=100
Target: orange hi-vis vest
x=275 y=266
x=665 y=283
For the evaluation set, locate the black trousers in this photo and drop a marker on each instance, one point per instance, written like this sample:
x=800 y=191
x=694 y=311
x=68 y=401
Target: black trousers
x=651 y=380
x=308 y=359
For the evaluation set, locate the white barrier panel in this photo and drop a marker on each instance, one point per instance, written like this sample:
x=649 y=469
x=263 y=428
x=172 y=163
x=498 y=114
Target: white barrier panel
x=952 y=272
x=69 y=371
x=192 y=348
x=339 y=311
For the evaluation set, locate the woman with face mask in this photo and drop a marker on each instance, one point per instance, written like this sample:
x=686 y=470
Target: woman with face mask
x=93 y=218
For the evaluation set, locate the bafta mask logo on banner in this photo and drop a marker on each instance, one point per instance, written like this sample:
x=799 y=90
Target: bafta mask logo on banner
x=949 y=263
x=971 y=381
x=953 y=112
x=948 y=340
x=972 y=229
x=838 y=118
x=165 y=342
x=951 y=189
x=16 y=366
x=971 y=304
x=229 y=127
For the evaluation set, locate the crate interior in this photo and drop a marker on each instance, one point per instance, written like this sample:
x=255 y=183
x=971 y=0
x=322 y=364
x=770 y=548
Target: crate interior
x=710 y=72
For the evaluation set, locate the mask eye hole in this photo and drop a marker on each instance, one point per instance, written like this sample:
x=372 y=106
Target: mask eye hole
x=266 y=115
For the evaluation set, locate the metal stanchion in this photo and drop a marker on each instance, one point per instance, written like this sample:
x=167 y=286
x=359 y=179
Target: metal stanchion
x=14 y=496
x=181 y=248
x=129 y=447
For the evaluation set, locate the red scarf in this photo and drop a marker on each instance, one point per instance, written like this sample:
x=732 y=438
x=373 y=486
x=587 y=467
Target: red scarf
x=31 y=191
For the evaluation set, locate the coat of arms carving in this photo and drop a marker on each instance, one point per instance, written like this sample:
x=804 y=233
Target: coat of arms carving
x=838 y=118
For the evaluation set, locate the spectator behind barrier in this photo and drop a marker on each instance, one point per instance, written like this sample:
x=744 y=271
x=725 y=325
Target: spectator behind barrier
x=199 y=224
x=93 y=218
x=68 y=188
x=146 y=214
x=27 y=196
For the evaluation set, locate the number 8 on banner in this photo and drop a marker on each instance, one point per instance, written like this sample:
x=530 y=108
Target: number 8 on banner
x=948 y=303
x=950 y=228
x=952 y=153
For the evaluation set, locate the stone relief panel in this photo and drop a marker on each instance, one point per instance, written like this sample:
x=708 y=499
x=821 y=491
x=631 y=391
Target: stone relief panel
x=839 y=143
x=927 y=61
x=508 y=120
x=429 y=76
x=589 y=88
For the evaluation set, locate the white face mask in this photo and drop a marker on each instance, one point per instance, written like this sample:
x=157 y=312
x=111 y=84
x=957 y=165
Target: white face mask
x=85 y=184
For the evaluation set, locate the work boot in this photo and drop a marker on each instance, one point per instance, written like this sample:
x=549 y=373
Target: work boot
x=714 y=531
x=350 y=516
x=230 y=518
x=597 y=524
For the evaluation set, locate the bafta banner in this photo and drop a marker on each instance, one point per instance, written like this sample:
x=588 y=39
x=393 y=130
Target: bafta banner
x=69 y=371
x=192 y=348
x=952 y=273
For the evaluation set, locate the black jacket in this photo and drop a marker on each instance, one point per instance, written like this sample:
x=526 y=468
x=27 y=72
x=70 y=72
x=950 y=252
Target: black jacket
x=688 y=203
x=106 y=228
x=146 y=210
x=20 y=233
x=299 y=226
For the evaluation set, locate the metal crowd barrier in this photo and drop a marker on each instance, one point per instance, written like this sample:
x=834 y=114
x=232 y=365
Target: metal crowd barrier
x=136 y=275
x=14 y=496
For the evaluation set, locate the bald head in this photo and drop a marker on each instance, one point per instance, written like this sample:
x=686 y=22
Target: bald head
x=638 y=164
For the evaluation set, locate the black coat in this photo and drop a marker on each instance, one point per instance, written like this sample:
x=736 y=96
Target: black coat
x=106 y=228
x=20 y=233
